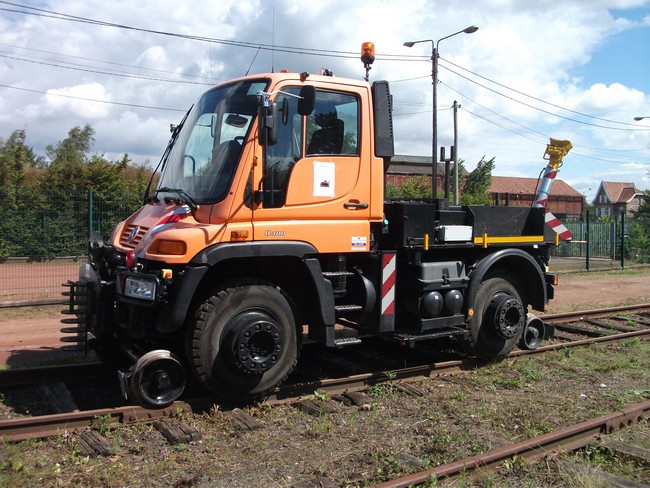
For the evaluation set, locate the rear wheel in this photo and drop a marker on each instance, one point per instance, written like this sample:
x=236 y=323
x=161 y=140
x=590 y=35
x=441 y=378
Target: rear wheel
x=499 y=317
x=244 y=340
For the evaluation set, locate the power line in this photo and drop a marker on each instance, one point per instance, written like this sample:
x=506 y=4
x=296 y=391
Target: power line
x=93 y=99
x=105 y=62
x=87 y=70
x=535 y=98
x=548 y=112
x=38 y=12
x=533 y=130
x=519 y=133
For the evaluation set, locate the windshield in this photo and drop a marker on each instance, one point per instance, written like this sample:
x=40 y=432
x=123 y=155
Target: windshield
x=206 y=153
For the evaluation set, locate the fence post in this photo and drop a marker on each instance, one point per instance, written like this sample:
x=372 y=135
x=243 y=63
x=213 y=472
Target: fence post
x=622 y=240
x=90 y=213
x=587 y=238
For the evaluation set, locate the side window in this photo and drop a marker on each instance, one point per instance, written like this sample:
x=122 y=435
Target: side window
x=331 y=129
x=333 y=126
x=281 y=157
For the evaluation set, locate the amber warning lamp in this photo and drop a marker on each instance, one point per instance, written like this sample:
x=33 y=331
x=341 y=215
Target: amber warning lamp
x=367 y=56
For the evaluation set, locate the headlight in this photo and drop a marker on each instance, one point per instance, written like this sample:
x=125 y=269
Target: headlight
x=139 y=288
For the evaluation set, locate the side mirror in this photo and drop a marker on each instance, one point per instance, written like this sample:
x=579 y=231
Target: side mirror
x=268 y=124
x=285 y=111
x=307 y=99
x=213 y=125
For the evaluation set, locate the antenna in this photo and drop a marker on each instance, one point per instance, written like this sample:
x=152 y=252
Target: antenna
x=254 y=57
x=273 y=39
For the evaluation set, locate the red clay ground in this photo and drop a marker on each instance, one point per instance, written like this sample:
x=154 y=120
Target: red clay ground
x=30 y=336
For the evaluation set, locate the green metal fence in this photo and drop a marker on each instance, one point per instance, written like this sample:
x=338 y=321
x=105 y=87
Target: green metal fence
x=601 y=238
x=44 y=235
x=43 y=239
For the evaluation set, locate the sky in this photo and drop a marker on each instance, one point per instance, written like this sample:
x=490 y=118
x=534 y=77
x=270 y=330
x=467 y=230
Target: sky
x=573 y=70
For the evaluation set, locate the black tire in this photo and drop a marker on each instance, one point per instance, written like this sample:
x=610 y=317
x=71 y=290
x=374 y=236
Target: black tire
x=244 y=340
x=499 y=317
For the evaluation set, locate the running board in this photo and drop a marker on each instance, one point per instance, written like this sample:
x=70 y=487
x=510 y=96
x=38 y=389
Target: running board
x=410 y=339
x=346 y=341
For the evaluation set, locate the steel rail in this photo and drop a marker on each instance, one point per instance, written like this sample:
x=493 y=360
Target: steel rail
x=24 y=428
x=593 y=312
x=293 y=393
x=562 y=440
x=49 y=425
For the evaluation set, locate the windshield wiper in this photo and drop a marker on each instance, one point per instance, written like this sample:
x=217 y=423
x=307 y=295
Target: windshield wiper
x=188 y=200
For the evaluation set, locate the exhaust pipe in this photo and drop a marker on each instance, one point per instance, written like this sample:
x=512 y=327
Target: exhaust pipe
x=533 y=334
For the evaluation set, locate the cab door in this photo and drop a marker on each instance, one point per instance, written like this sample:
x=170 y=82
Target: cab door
x=316 y=182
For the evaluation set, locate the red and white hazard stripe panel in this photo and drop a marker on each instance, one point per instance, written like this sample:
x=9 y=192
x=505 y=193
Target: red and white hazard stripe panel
x=554 y=223
x=389 y=262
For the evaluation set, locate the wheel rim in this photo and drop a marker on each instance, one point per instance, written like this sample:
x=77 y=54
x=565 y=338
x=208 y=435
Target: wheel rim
x=506 y=315
x=256 y=341
x=158 y=378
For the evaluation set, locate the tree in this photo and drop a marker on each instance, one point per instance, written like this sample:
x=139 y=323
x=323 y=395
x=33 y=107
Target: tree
x=15 y=156
x=475 y=191
x=67 y=159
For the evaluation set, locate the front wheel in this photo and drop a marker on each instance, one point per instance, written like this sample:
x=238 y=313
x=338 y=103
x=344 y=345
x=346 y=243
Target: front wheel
x=244 y=340
x=499 y=317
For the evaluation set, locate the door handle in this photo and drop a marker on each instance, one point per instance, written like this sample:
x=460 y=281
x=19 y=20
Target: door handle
x=355 y=206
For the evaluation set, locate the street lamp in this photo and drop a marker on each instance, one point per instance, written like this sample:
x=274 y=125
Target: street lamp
x=434 y=80
x=640 y=118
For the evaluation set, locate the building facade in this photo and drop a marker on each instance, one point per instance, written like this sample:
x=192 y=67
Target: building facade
x=564 y=201
x=614 y=198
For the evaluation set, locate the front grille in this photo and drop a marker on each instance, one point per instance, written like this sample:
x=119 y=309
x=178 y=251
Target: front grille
x=132 y=235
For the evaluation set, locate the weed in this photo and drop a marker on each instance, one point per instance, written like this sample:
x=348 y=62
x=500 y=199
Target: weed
x=137 y=449
x=532 y=375
x=441 y=440
x=618 y=364
x=515 y=464
x=430 y=482
x=181 y=414
x=104 y=423
x=386 y=387
x=76 y=451
x=322 y=396
x=458 y=395
x=388 y=466
x=633 y=396
x=510 y=383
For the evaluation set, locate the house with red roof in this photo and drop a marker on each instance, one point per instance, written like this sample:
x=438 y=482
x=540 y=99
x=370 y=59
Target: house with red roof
x=614 y=198
x=564 y=201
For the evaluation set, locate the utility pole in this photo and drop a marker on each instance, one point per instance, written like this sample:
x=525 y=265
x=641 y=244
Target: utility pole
x=455 y=155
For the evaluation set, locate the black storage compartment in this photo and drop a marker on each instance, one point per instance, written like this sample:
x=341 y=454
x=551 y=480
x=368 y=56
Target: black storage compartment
x=409 y=221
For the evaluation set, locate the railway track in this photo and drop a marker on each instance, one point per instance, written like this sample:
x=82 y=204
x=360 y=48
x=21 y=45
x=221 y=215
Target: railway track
x=570 y=330
x=545 y=446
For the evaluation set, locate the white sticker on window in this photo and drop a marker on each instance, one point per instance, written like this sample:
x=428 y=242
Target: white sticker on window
x=324 y=179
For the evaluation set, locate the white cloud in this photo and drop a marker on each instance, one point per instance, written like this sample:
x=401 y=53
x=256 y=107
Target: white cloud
x=537 y=47
x=71 y=99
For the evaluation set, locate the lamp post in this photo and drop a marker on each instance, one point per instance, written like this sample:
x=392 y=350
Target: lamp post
x=434 y=119
x=640 y=118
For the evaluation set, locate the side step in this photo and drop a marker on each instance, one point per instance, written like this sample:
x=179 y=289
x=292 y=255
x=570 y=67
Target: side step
x=337 y=274
x=410 y=339
x=346 y=341
x=345 y=309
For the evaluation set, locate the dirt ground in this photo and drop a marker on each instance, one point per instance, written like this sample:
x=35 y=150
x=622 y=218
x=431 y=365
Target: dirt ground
x=30 y=336
x=393 y=433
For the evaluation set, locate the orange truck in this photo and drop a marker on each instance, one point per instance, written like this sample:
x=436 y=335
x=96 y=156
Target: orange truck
x=270 y=219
